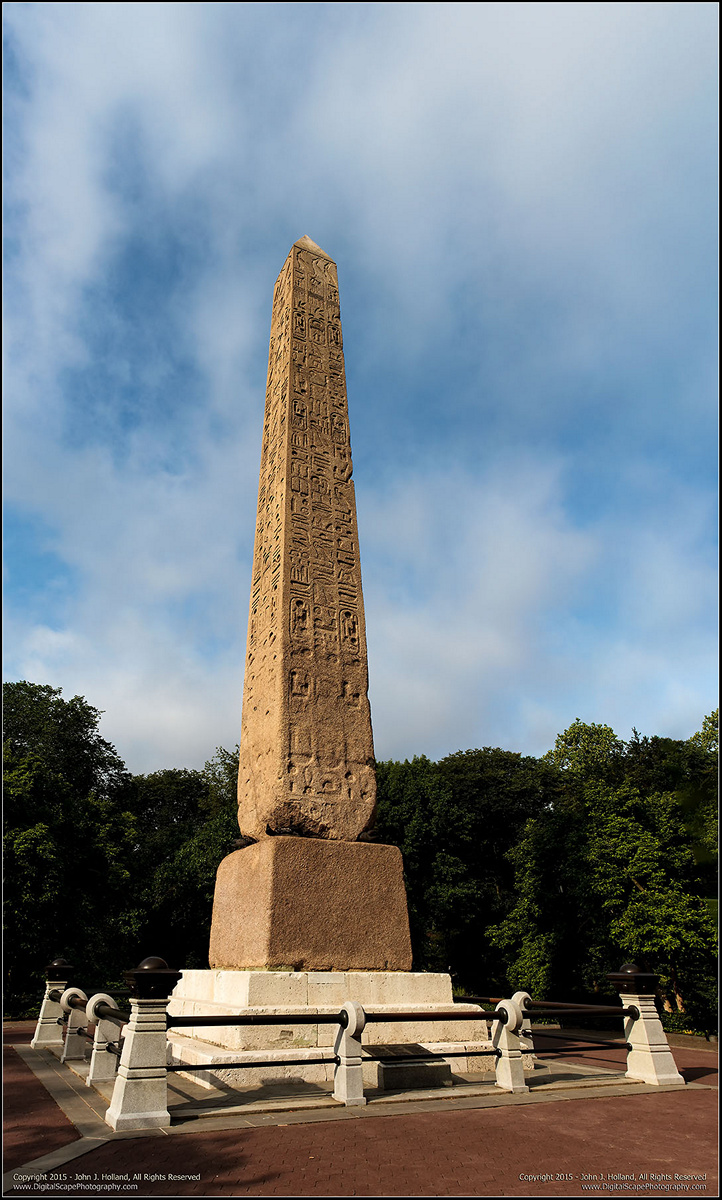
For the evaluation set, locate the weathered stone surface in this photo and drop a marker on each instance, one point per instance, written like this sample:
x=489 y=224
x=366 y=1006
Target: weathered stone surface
x=313 y=905
x=307 y=759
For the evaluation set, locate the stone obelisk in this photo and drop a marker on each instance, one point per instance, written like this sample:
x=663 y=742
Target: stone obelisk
x=307 y=895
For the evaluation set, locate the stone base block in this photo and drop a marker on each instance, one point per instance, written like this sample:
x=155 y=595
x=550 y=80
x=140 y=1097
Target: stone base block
x=277 y=1069
x=223 y=993
x=404 y=1076
x=220 y=993
x=306 y=904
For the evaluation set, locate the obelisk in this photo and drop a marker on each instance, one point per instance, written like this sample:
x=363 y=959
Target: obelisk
x=307 y=894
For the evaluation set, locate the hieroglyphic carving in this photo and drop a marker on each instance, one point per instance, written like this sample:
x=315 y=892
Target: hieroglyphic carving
x=306 y=744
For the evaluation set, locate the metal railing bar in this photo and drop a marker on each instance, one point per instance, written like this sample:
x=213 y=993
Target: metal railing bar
x=436 y=1016
x=538 y=1005
x=561 y=1037
x=112 y=1014
x=287 y=1062
x=558 y=1052
x=261 y=1019
x=479 y=999
x=587 y=1012
x=419 y=1058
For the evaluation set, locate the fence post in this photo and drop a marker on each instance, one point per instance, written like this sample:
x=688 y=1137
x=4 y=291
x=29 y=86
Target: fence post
x=102 y=1064
x=525 y=1032
x=650 y=1058
x=140 y=1095
x=47 y=1031
x=348 y=1084
x=74 y=1042
x=509 y=1065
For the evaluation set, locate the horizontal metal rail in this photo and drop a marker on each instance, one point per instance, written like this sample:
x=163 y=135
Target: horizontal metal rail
x=437 y=1057
x=480 y=999
x=540 y=1005
x=501 y=1015
x=107 y=1013
x=565 y=1055
x=113 y=1049
x=103 y=1010
x=566 y=1037
x=589 y=1012
x=340 y=1018
x=287 y=1062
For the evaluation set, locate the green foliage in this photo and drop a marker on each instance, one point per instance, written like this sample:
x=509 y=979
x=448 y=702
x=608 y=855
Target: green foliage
x=454 y=822
x=188 y=824
x=588 y=752
x=543 y=873
x=611 y=871
x=707 y=738
x=68 y=842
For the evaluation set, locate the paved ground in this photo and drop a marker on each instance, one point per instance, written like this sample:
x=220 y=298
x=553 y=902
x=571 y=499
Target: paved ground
x=411 y=1149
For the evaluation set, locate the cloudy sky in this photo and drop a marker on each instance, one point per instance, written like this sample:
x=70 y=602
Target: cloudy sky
x=521 y=202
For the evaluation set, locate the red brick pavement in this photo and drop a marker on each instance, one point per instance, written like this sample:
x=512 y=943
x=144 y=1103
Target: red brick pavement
x=468 y=1152
x=695 y=1065
x=36 y=1125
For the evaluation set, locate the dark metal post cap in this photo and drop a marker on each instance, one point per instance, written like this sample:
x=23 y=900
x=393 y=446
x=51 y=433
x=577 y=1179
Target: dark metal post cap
x=632 y=980
x=152 y=980
x=58 y=967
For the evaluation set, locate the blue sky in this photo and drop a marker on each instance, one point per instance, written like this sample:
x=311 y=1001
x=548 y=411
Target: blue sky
x=521 y=199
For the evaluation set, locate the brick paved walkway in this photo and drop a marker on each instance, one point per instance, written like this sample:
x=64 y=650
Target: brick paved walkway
x=36 y=1125
x=476 y=1152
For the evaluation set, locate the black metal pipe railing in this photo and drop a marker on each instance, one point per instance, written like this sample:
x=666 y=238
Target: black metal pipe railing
x=106 y=1013
x=571 y=1052
x=500 y=1015
x=566 y=1037
x=431 y=1056
x=340 y=1018
x=286 y=1062
x=539 y=1005
x=480 y=999
x=590 y=1011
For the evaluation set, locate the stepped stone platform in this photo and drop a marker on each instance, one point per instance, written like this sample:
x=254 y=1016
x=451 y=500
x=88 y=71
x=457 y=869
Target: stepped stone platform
x=224 y=993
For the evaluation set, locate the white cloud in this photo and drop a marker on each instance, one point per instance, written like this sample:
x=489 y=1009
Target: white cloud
x=514 y=190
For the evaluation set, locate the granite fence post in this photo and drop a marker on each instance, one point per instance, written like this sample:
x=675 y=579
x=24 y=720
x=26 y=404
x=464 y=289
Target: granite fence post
x=74 y=1041
x=103 y=1065
x=525 y=1033
x=48 y=1033
x=505 y=1039
x=649 y=1059
x=140 y=1095
x=348 y=1084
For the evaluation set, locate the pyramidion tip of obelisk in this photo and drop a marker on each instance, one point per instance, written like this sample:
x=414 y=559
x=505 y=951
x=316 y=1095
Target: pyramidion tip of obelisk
x=307 y=243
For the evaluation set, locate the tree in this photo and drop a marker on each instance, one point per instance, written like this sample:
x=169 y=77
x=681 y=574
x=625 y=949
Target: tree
x=608 y=873
x=454 y=822
x=188 y=825
x=68 y=842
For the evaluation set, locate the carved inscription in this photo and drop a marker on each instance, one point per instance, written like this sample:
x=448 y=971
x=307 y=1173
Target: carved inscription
x=306 y=746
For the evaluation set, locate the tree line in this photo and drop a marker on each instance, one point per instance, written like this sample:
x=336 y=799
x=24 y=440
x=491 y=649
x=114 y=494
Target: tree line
x=537 y=873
